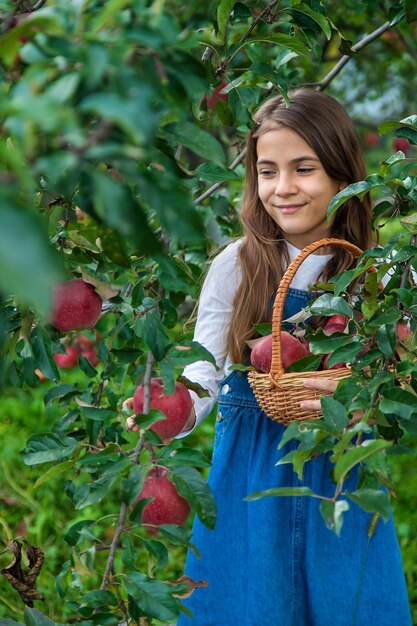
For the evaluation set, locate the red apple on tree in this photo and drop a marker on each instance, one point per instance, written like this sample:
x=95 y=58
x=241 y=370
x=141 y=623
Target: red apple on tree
x=176 y=407
x=401 y=144
x=85 y=343
x=292 y=350
x=167 y=506
x=91 y=356
x=67 y=360
x=75 y=304
x=372 y=139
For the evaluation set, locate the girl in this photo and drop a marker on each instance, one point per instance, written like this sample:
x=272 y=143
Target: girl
x=273 y=562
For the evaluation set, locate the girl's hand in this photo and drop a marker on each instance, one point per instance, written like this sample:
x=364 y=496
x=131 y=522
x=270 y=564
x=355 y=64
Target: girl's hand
x=133 y=427
x=130 y=422
x=329 y=385
x=321 y=384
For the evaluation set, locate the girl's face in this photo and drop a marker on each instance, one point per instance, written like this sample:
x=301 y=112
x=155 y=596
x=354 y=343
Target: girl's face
x=294 y=187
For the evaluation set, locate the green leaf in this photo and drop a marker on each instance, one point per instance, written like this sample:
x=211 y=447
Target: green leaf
x=386 y=337
x=306 y=364
x=372 y=501
x=192 y=487
x=87 y=494
x=86 y=367
x=389 y=125
x=346 y=353
x=298 y=459
x=55 y=470
x=127 y=113
x=132 y=486
x=177 y=535
x=410 y=223
x=320 y=19
x=353 y=190
x=330 y=305
x=357 y=455
x=151 y=329
x=152 y=597
x=332 y=513
x=44 y=448
x=224 y=8
x=399 y=402
x=98 y=415
x=73 y=535
x=116 y=206
x=101 y=598
x=323 y=344
x=292 y=43
x=43 y=353
x=334 y=414
x=183 y=456
x=33 y=617
x=198 y=140
x=109 y=12
x=157 y=550
x=280 y=491
x=168 y=197
x=60 y=392
x=214 y=173
x=28 y=276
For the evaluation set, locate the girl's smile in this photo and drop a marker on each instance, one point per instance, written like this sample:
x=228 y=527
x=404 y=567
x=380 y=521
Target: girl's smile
x=293 y=186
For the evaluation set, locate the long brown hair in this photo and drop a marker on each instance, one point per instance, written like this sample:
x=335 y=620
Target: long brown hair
x=324 y=124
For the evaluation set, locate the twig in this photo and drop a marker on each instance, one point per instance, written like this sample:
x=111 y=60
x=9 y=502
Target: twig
x=123 y=509
x=346 y=57
x=217 y=186
x=39 y=5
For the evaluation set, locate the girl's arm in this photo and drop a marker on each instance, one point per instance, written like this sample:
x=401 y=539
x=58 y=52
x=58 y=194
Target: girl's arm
x=213 y=319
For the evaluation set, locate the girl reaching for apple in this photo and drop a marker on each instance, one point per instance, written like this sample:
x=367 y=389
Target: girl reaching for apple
x=273 y=560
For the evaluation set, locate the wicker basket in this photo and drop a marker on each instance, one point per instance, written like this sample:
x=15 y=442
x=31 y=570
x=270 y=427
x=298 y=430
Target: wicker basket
x=279 y=393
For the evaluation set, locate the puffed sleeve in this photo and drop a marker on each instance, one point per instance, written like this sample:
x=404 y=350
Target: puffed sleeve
x=212 y=325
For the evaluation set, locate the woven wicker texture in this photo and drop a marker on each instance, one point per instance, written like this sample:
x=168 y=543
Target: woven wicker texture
x=279 y=393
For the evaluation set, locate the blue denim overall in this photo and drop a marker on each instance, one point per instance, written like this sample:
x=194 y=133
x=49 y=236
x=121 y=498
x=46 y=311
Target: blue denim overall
x=273 y=562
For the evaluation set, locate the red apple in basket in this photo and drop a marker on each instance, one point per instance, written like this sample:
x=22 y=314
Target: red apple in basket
x=167 y=506
x=292 y=350
x=336 y=323
x=176 y=407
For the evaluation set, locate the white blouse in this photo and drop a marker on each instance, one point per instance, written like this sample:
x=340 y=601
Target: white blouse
x=214 y=315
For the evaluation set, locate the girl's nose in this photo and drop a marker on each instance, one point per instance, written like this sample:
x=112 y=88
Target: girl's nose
x=285 y=185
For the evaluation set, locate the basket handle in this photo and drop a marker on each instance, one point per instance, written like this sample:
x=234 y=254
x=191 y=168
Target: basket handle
x=277 y=369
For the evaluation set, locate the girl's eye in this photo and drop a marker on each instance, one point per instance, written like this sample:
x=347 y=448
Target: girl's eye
x=265 y=173
x=305 y=170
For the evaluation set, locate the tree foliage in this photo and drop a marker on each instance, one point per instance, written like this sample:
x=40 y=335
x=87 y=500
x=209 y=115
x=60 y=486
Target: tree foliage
x=122 y=126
